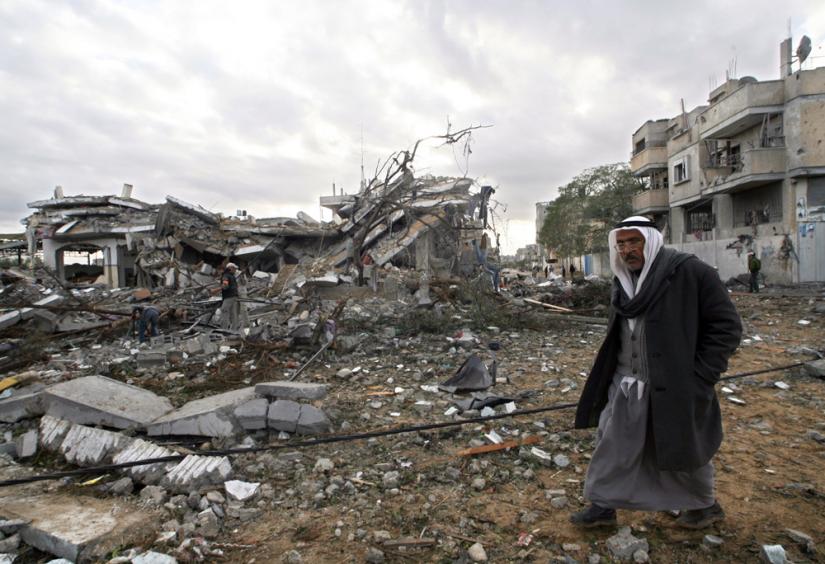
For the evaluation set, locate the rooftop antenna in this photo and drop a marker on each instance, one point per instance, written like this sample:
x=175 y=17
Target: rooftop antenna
x=363 y=178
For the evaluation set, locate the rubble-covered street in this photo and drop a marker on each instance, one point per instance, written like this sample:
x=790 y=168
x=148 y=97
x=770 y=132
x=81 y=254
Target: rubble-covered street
x=94 y=396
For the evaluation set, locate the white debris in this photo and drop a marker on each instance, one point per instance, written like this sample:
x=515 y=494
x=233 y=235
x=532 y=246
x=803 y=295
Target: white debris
x=241 y=491
x=782 y=385
x=494 y=437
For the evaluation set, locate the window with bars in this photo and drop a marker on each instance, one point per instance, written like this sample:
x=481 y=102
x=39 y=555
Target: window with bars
x=758 y=205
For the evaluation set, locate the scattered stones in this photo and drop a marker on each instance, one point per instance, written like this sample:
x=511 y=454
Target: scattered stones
x=712 y=541
x=561 y=460
x=152 y=557
x=323 y=465
x=123 y=486
x=374 y=556
x=559 y=502
x=816 y=368
x=805 y=540
x=155 y=495
x=478 y=484
x=477 y=553
x=623 y=545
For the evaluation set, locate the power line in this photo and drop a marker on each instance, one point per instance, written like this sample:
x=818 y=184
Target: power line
x=334 y=438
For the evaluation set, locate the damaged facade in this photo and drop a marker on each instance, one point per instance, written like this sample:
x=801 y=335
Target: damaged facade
x=746 y=172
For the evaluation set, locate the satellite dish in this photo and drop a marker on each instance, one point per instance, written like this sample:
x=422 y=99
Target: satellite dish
x=804 y=49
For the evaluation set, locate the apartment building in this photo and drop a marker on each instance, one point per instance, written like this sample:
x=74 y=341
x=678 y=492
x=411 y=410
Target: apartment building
x=746 y=172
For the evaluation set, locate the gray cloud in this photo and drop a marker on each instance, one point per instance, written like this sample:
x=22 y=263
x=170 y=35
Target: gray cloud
x=262 y=106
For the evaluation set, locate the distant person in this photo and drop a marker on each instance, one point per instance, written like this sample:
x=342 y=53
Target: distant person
x=230 y=303
x=572 y=271
x=563 y=272
x=147 y=319
x=754 y=266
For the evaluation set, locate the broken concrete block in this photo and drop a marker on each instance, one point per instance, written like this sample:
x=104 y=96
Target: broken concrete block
x=28 y=312
x=207 y=417
x=21 y=406
x=53 y=431
x=623 y=544
x=144 y=450
x=241 y=491
x=9 y=318
x=312 y=421
x=283 y=415
x=26 y=444
x=87 y=446
x=80 y=529
x=816 y=368
x=252 y=414
x=147 y=359
x=291 y=390
x=192 y=347
x=44 y=320
x=195 y=472
x=97 y=400
x=152 y=557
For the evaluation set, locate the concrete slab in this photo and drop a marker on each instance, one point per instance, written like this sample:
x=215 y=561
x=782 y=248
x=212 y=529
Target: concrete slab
x=283 y=415
x=144 y=450
x=80 y=529
x=252 y=414
x=21 y=406
x=207 y=417
x=195 y=472
x=312 y=421
x=88 y=446
x=291 y=390
x=97 y=400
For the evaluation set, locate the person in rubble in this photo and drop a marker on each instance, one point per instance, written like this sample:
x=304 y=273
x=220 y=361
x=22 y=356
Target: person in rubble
x=754 y=266
x=230 y=302
x=147 y=319
x=671 y=329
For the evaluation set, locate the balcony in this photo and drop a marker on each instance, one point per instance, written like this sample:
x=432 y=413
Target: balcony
x=650 y=201
x=751 y=168
x=648 y=160
x=742 y=109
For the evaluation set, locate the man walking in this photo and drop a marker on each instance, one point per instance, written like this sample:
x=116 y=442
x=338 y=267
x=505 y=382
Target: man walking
x=754 y=266
x=671 y=330
x=230 y=305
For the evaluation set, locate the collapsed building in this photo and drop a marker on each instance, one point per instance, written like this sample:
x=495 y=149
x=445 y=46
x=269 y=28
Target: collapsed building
x=425 y=224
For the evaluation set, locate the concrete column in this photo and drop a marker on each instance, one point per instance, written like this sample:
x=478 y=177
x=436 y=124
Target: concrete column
x=677 y=223
x=110 y=265
x=723 y=210
x=422 y=252
x=53 y=257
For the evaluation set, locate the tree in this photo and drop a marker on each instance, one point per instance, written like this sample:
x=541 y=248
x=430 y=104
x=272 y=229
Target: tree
x=578 y=220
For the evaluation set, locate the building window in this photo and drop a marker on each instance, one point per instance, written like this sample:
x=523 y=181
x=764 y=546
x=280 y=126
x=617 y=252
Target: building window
x=758 y=205
x=640 y=146
x=681 y=170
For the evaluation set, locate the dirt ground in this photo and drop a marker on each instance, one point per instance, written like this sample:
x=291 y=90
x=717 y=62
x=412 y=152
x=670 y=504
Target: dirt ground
x=769 y=473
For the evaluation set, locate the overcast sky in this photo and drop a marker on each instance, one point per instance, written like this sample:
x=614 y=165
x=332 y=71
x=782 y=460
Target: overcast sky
x=261 y=105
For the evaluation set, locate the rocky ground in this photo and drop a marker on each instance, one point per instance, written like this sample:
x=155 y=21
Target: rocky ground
x=415 y=497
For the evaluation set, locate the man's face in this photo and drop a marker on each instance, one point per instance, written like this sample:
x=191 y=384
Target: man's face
x=630 y=243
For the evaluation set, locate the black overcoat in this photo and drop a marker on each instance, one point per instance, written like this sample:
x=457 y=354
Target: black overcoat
x=691 y=332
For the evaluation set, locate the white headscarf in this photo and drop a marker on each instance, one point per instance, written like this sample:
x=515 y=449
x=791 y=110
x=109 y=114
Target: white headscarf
x=653 y=244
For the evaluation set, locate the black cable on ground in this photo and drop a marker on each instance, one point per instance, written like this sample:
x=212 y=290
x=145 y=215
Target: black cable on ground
x=333 y=438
